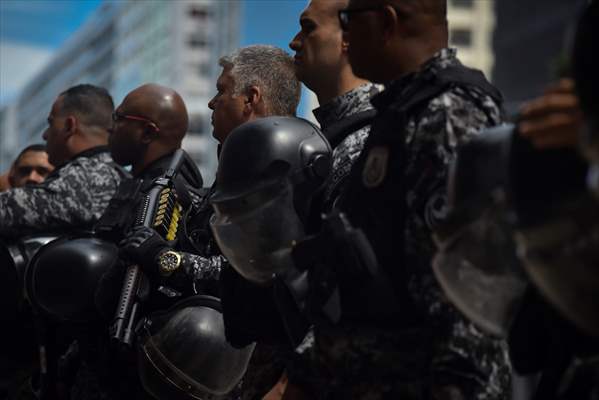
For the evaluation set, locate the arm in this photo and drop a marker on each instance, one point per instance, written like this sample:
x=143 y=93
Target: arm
x=467 y=364
x=201 y=268
x=553 y=120
x=69 y=198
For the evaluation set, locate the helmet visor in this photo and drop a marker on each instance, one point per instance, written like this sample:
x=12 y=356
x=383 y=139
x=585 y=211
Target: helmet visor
x=256 y=233
x=480 y=273
x=561 y=257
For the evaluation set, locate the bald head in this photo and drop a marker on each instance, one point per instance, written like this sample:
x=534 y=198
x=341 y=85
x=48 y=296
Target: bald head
x=396 y=37
x=150 y=123
x=163 y=106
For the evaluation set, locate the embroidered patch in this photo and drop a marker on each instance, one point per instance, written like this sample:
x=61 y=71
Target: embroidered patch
x=375 y=168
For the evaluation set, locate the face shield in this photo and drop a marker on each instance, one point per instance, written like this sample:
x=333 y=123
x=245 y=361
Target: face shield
x=257 y=231
x=561 y=257
x=478 y=268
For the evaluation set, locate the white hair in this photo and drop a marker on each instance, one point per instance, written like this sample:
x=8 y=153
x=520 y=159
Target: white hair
x=272 y=70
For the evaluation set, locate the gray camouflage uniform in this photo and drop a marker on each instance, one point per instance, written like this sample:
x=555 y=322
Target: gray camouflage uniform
x=344 y=154
x=442 y=356
x=73 y=196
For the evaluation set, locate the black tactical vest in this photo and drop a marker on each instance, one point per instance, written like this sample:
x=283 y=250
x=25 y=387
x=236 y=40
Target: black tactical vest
x=375 y=196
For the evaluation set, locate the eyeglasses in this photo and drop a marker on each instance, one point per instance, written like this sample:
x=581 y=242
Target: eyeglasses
x=117 y=115
x=345 y=15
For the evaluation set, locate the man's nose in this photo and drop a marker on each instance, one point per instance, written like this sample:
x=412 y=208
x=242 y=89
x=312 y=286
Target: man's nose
x=35 y=177
x=295 y=43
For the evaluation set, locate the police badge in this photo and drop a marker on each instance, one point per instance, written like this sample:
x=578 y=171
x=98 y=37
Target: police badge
x=375 y=168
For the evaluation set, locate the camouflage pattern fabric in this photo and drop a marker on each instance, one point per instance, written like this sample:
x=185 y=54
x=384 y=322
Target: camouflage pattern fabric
x=73 y=196
x=344 y=155
x=442 y=356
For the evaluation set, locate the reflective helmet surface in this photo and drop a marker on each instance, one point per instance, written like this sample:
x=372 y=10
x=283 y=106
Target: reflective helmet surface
x=270 y=171
x=14 y=257
x=268 y=149
x=62 y=277
x=476 y=263
x=561 y=257
x=183 y=353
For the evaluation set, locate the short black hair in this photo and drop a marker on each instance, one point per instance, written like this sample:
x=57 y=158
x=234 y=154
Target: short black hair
x=585 y=63
x=91 y=103
x=38 y=147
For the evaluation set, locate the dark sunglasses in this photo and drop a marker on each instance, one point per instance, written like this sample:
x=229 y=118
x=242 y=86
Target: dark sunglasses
x=117 y=115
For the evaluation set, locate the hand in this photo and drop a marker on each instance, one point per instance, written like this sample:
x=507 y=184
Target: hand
x=553 y=120
x=141 y=246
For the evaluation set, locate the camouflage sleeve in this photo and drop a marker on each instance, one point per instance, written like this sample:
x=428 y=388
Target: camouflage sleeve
x=201 y=268
x=467 y=364
x=73 y=197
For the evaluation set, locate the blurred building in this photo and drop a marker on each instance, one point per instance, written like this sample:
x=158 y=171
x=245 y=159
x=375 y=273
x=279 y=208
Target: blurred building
x=471 y=26
x=530 y=45
x=125 y=44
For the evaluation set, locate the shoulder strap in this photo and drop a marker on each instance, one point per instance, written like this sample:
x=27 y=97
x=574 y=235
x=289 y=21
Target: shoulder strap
x=464 y=76
x=438 y=83
x=341 y=129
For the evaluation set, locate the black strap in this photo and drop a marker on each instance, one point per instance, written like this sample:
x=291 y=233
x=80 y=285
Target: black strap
x=341 y=129
x=461 y=75
x=435 y=84
x=417 y=95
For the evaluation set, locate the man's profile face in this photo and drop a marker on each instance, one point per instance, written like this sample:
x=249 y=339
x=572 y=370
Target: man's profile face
x=362 y=32
x=125 y=139
x=227 y=107
x=55 y=136
x=31 y=168
x=318 y=44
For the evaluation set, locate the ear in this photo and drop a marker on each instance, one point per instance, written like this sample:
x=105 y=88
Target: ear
x=71 y=125
x=148 y=135
x=253 y=100
x=390 y=22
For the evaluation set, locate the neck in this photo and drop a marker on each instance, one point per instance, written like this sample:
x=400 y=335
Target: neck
x=338 y=85
x=85 y=141
x=148 y=158
x=413 y=55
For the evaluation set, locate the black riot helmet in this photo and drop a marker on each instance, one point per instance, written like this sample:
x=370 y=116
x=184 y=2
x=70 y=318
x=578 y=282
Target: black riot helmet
x=15 y=255
x=270 y=171
x=183 y=353
x=477 y=264
x=519 y=215
x=61 y=279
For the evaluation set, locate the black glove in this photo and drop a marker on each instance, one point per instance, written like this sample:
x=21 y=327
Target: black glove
x=141 y=246
x=249 y=311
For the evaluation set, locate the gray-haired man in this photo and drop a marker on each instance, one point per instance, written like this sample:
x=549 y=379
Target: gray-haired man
x=256 y=81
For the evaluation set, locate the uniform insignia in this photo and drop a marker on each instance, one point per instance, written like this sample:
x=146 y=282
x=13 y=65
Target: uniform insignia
x=375 y=168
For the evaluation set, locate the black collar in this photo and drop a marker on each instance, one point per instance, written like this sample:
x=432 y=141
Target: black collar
x=91 y=152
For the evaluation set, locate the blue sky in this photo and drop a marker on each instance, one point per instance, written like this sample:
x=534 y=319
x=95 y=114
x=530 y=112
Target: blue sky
x=31 y=30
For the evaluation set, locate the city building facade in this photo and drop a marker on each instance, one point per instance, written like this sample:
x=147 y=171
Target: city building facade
x=128 y=43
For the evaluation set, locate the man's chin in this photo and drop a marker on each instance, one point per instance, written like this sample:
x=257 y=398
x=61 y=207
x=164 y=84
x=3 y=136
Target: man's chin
x=217 y=136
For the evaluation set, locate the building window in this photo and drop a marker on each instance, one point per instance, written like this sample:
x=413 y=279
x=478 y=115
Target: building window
x=196 y=12
x=197 y=40
x=461 y=37
x=462 y=3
